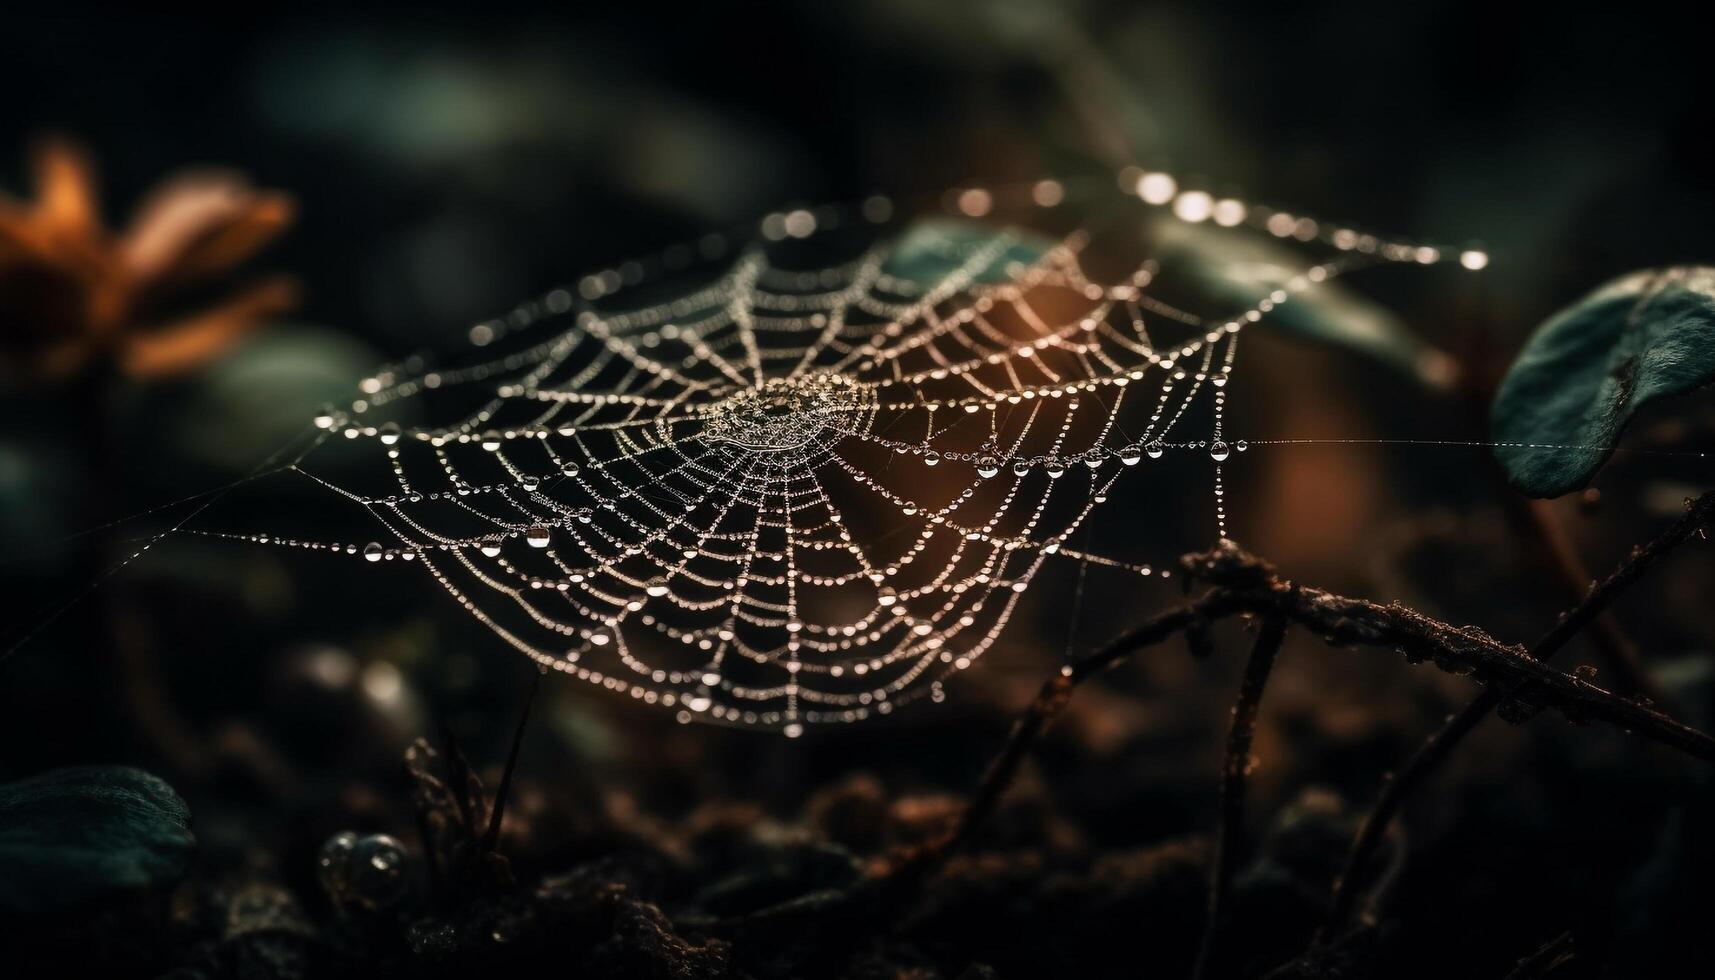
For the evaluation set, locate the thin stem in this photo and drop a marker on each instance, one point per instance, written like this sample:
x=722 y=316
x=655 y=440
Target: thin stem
x=458 y=780
x=1228 y=836
x=1050 y=700
x=1555 y=954
x=491 y=839
x=1398 y=788
x=1440 y=745
x=1044 y=708
x=1641 y=560
x=1618 y=653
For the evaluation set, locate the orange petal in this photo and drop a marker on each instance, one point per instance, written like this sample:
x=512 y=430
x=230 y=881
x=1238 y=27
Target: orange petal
x=23 y=237
x=200 y=224
x=191 y=342
x=62 y=228
x=65 y=190
x=17 y=238
x=243 y=236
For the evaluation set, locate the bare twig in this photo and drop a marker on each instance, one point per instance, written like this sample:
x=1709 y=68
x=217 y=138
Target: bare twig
x=1245 y=584
x=1049 y=701
x=1224 y=858
x=1026 y=732
x=1395 y=790
x=1242 y=584
x=1618 y=653
x=1697 y=516
x=1441 y=744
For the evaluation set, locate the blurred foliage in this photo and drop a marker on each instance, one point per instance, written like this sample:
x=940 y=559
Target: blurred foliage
x=932 y=249
x=1245 y=268
x=262 y=393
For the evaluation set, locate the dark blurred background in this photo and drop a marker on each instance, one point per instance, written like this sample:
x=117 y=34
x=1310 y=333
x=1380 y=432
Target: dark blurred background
x=446 y=161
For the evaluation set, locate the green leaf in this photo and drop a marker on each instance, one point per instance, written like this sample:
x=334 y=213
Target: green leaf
x=261 y=395
x=1590 y=367
x=1241 y=268
x=930 y=251
x=70 y=838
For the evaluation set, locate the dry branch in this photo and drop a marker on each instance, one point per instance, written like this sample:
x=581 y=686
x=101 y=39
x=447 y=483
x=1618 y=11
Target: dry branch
x=1440 y=745
x=1518 y=680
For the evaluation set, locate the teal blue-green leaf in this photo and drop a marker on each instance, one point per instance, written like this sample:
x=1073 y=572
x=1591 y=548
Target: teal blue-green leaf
x=1590 y=367
x=929 y=251
x=71 y=838
x=1241 y=268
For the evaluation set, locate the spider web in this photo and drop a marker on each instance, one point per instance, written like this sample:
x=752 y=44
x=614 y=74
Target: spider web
x=804 y=473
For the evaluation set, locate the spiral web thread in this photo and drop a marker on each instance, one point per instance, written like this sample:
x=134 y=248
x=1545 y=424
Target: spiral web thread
x=781 y=497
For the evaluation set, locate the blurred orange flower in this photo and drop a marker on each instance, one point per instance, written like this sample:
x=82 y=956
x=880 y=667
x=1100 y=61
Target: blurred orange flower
x=73 y=292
